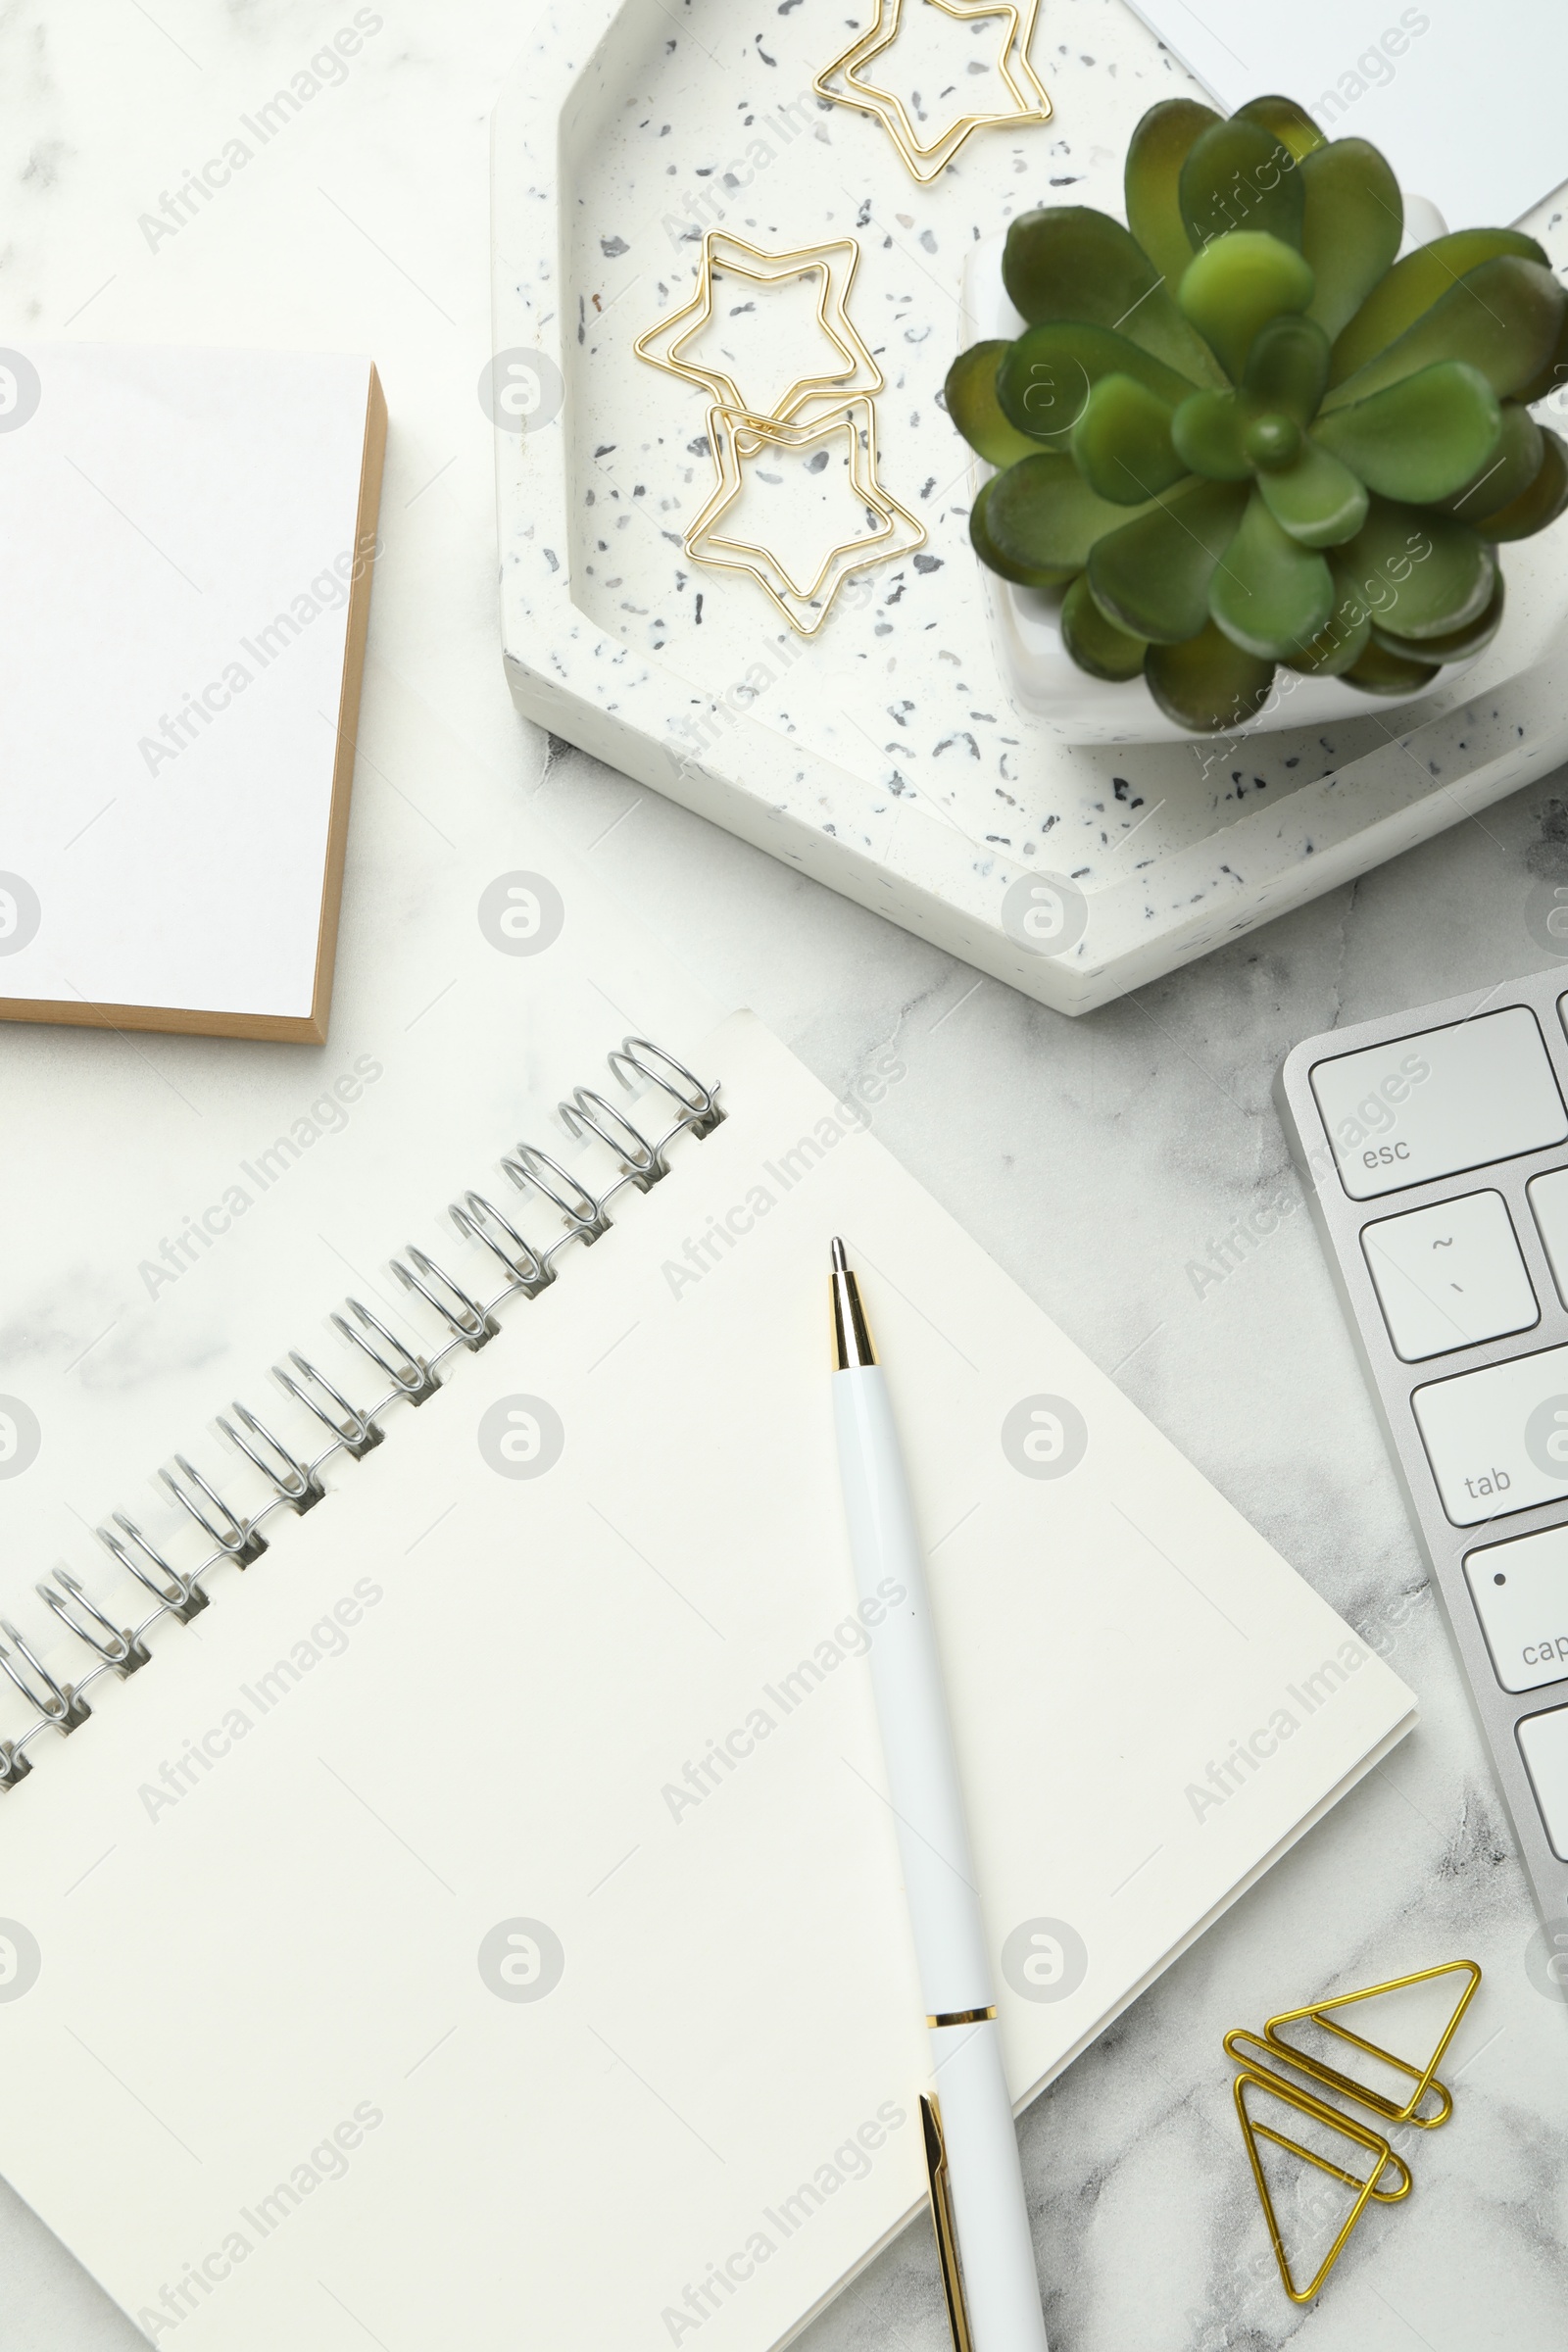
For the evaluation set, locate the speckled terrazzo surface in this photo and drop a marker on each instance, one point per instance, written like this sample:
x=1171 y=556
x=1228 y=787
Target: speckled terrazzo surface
x=892 y=737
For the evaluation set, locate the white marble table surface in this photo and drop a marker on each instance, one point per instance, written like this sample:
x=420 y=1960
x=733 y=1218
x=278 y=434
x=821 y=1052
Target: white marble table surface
x=1099 y=1161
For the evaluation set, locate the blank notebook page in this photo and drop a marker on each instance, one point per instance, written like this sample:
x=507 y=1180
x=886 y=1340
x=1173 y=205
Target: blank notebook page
x=484 y=1925
x=181 y=532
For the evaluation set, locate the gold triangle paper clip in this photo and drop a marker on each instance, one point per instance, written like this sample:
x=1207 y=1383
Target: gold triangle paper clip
x=1260 y=2055
x=926 y=161
x=1368 y=2188
x=736 y=435
x=835 y=263
x=1424 y=2077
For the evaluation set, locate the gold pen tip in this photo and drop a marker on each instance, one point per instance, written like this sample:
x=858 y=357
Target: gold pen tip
x=852 y=1341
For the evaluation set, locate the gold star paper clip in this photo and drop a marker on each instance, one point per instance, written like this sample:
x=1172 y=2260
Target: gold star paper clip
x=926 y=161
x=835 y=264
x=805 y=604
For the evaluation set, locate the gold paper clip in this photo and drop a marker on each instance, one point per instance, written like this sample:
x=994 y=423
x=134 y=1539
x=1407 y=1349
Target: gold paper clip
x=805 y=604
x=925 y=161
x=1423 y=2077
x=947 y=2237
x=1274 y=2086
x=1260 y=2055
x=834 y=262
x=739 y=428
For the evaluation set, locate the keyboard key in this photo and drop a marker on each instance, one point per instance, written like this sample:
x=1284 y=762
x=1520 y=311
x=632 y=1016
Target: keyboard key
x=1440 y=1101
x=1498 y=1439
x=1549 y=1203
x=1544 y=1743
x=1521 y=1595
x=1450 y=1276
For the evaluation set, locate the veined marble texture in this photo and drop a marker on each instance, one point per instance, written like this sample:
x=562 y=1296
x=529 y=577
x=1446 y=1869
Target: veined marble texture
x=1102 y=1161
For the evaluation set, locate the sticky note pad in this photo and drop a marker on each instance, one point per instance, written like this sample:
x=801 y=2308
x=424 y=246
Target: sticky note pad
x=190 y=539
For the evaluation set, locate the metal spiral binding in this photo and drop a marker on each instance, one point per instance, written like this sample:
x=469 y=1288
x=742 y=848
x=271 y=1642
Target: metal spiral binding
x=352 y=1429
x=187 y=1598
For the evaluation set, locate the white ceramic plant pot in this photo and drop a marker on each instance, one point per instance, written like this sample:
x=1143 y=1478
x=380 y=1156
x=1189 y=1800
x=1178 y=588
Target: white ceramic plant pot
x=1043 y=677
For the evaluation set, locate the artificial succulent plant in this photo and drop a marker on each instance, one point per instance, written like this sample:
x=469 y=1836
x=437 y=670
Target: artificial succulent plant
x=1239 y=432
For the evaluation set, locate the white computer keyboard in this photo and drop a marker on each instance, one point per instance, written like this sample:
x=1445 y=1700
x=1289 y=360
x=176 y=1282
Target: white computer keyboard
x=1434 y=1149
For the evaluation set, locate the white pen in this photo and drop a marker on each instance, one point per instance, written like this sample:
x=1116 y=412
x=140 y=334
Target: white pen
x=977 y=2193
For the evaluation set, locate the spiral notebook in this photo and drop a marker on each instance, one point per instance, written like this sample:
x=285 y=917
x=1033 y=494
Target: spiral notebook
x=482 y=1919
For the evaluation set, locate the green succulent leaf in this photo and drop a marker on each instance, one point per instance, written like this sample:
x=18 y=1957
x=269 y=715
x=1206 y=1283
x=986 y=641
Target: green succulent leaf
x=1068 y=261
x=972 y=403
x=1024 y=575
x=1269 y=594
x=1421 y=439
x=1121 y=444
x=1042 y=516
x=1508 y=473
x=1542 y=503
x=1155 y=154
x=1421 y=573
x=1045 y=377
x=1379 y=671
x=1503 y=317
x=1241 y=176
x=1287 y=368
x=1152 y=575
x=1414 y=285
x=1291 y=124
x=1209 y=431
x=1236 y=286
x=1350 y=228
x=1318 y=501
x=1096 y=643
x=1341 y=641
x=1458 y=646
x=1208 y=683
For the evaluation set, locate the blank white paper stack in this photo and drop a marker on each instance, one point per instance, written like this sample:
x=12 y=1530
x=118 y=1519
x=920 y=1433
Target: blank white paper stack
x=189 y=540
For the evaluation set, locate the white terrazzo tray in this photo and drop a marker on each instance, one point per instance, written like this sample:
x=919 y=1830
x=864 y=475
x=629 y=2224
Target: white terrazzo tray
x=886 y=757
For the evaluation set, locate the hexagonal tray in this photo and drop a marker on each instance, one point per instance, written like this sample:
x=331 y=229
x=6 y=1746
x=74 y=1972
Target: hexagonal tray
x=884 y=756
